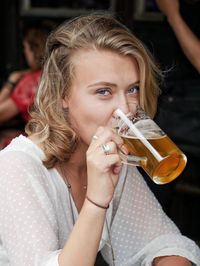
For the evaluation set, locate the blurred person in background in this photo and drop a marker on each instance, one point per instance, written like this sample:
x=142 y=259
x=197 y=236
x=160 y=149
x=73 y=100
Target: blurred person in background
x=17 y=93
x=189 y=42
x=178 y=106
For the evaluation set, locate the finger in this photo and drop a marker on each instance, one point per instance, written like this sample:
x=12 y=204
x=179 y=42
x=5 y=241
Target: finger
x=105 y=134
x=111 y=160
x=124 y=149
x=94 y=137
x=117 y=168
x=109 y=148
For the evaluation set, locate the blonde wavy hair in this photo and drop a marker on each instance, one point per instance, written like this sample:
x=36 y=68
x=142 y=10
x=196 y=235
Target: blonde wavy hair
x=49 y=124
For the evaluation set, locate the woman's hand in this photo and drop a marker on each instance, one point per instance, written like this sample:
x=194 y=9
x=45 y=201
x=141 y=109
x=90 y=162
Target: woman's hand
x=103 y=169
x=15 y=76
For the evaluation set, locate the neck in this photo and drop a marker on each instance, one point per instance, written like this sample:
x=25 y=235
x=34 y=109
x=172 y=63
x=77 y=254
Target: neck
x=77 y=162
x=76 y=167
x=74 y=174
x=71 y=170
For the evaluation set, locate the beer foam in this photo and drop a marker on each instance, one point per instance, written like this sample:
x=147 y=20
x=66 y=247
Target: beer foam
x=138 y=134
x=150 y=137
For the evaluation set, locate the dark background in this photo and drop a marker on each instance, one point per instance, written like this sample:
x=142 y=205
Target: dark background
x=179 y=105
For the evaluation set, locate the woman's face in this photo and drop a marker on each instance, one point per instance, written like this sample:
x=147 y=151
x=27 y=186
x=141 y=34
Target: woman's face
x=29 y=55
x=103 y=82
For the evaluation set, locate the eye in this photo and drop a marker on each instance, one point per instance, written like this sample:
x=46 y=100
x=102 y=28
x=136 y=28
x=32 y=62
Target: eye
x=104 y=91
x=133 y=90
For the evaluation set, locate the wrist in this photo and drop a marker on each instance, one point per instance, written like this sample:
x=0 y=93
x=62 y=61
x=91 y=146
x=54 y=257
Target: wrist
x=96 y=204
x=10 y=84
x=93 y=211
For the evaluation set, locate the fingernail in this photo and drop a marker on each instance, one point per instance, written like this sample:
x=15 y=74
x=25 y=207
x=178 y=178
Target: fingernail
x=124 y=149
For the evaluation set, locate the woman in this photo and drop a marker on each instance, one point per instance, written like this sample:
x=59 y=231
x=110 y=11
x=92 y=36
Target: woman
x=188 y=40
x=64 y=197
x=17 y=93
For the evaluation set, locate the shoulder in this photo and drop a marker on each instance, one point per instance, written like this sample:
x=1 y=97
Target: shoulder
x=24 y=146
x=29 y=79
x=21 y=159
x=31 y=76
x=22 y=172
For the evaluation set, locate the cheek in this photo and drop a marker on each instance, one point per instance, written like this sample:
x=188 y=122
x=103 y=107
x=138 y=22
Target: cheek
x=30 y=58
x=86 y=122
x=83 y=111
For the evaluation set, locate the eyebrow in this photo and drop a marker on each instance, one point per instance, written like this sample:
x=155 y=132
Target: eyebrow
x=105 y=83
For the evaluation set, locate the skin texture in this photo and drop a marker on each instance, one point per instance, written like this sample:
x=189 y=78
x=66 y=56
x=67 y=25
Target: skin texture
x=106 y=88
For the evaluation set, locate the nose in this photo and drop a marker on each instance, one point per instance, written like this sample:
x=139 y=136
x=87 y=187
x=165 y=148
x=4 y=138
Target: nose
x=127 y=106
x=123 y=104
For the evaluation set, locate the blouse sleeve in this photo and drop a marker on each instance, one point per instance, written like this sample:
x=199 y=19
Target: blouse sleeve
x=141 y=231
x=28 y=227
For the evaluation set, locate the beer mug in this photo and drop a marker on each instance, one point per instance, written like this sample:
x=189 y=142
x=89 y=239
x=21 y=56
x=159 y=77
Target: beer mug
x=149 y=147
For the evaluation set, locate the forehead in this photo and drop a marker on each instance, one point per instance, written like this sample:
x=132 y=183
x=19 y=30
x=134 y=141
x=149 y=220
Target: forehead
x=97 y=60
x=102 y=67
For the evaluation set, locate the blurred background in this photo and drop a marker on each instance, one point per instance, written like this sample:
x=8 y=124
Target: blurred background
x=179 y=105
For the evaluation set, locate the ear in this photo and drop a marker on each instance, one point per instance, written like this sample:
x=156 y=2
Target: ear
x=65 y=103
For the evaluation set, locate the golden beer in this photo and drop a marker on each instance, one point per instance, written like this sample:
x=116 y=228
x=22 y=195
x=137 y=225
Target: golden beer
x=164 y=170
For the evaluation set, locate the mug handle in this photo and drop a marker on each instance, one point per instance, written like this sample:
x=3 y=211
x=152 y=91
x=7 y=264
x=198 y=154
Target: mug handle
x=132 y=160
